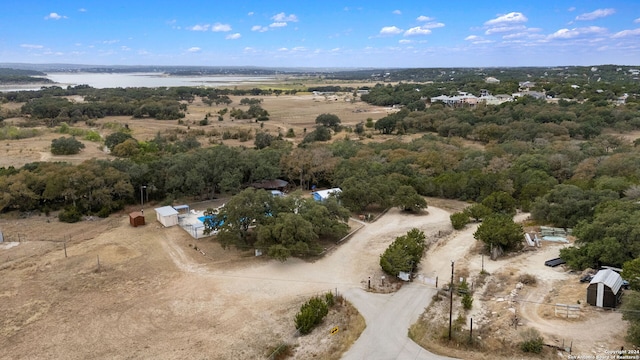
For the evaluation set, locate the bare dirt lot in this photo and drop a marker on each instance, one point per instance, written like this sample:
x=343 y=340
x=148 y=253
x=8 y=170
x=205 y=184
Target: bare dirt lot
x=145 y=292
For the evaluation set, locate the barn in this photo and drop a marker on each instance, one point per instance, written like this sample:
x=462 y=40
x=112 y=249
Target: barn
x=167 y=216
x=605 y=289
x=136 y=218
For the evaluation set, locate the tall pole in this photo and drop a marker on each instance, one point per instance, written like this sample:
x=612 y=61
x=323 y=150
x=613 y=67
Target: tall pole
x=141 y=197
x=451 y=301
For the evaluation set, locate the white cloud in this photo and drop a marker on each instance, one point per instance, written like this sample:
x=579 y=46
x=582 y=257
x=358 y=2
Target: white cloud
x=433 y=25
x=204 y=27
x=626 y=33
x=512 y=17
x=636 y=20
x=502 y=29
x=282 y=17
x=417 y=31
x=474 y=39
x=397 y=12
x=259 y=28
x=125 y=48
x=278 y=25
x=233 y=36
x=82 y=10
x=577 y=32
x=111 y=41
x=250 y=13
x=283 y=49
x=55 y=16
x=390 y=30
x=194 y=49
x=335 y=50
x=31 y=46
x=217 y=27
x=424 y=18
x=405 y=41
x=600 y=13
x=525 y=34
x=571 y=9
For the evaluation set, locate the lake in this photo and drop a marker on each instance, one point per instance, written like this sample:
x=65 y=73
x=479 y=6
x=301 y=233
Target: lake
x=124 y=80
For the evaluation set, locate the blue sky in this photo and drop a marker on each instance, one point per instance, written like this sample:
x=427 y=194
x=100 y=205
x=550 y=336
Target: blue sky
x=322 y=33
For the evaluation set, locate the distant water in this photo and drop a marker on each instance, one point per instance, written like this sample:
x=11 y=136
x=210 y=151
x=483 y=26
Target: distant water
x=124 y=80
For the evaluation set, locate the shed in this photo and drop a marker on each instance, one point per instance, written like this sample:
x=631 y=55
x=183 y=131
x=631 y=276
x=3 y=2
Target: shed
x=167 y=216
x=136 y=218
x=322 y=195
x=605 y=289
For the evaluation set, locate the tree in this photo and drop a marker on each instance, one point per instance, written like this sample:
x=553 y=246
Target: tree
x=501 y=231
x=611 y=238
x=459 y=220
x=404 y=253
x=263 y=140
x=631 y=313
x=500 y=202
x=478 y=212
x=408 y=199
x=329 y=120
x=631 y=272
x=66 y=146
x=249 y=207
x=128 y=148
x=116 y=138
x=288 y=234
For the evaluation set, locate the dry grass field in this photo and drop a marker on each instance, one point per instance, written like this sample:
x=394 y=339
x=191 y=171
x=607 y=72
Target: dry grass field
x=297 y=112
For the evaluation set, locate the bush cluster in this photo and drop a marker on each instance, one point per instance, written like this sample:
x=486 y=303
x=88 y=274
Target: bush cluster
x=312 y=312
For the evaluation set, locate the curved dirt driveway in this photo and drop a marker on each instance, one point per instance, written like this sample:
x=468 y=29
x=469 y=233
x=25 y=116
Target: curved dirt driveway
x=346 y=269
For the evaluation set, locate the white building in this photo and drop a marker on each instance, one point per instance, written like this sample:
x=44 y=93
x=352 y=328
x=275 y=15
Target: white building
x=167 y=216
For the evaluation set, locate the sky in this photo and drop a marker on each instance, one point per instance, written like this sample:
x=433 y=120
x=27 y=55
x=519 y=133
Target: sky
x=355 y=34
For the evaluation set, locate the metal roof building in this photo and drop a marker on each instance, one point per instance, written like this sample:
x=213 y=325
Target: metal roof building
x=605 y=289
x=167 y=216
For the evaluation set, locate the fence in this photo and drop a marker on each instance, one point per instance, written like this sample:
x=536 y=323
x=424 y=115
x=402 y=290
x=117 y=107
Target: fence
x=568 y=311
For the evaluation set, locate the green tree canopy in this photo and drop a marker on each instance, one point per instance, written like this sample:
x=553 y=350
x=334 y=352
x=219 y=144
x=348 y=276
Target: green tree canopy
x=404 y=253
x=500 y=230
x=329 y=120
x=66 y=146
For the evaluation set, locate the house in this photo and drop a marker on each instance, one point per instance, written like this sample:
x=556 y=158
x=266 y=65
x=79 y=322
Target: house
x=275 y=184
x=491 y=80
x=322 y=195
x=605 y=289
x=167 y=216
x=136 y=218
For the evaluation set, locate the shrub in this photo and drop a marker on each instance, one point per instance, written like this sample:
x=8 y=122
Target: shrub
x=467 y=301
x=66 y=146
x=70 y=215
x=404 y=253
x=311 y=314
x=527 y=279
x=329 y=299
x=459 y=220
x=533 y=342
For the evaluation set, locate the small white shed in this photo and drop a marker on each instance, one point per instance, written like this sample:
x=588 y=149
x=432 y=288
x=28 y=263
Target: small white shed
x=322 y=195
x=167 y=216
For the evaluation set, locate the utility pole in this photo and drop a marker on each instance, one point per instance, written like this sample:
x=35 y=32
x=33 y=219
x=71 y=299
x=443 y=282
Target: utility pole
x=142 y=187
x=451 y=301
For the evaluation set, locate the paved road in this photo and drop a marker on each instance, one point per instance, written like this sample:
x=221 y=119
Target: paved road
x=388 y=317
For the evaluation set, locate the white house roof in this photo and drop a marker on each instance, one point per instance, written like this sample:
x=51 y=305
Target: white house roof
x=608 y=277
x=166 y=211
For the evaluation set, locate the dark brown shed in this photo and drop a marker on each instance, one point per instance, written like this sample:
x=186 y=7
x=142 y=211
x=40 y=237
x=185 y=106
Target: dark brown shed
x=136 y=218
x=605 y=289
